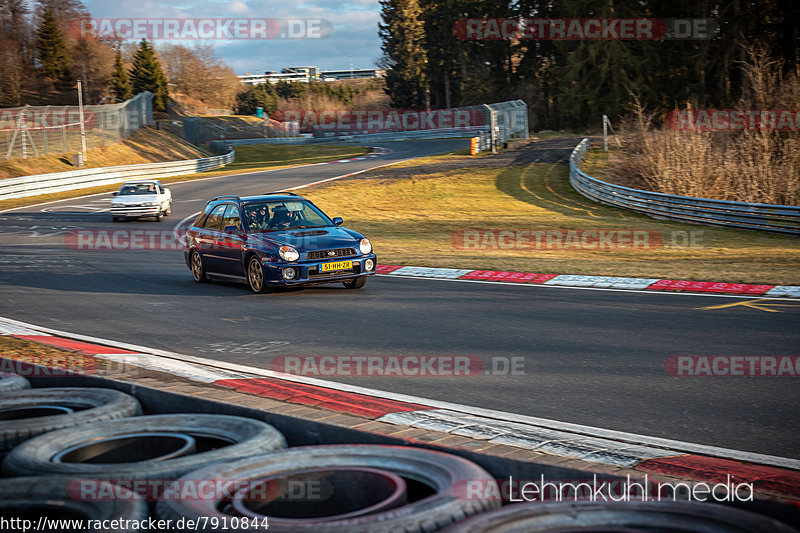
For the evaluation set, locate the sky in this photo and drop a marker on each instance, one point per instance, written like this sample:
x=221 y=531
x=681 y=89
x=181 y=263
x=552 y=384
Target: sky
x=353 y=39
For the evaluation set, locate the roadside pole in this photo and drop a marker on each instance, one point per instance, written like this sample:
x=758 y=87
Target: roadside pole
x=83 y=130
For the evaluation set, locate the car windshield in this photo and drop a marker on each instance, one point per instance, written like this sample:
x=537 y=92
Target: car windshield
x=282 y=215
x=137 y=188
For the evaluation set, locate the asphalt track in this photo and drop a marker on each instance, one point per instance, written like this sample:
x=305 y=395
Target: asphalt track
x=590 y=357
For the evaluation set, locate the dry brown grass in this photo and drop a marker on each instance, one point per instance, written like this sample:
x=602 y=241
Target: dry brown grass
x=26 y=351
x=411 y=216
x=758 y=166
x=147 y=145
x=750 y=166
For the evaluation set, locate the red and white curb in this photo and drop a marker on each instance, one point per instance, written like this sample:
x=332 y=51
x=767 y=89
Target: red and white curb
x=600 y=282
x=777 y=475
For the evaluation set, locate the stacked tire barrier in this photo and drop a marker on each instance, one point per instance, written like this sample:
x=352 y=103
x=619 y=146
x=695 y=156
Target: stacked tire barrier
x=95 y=453
x=91 y=454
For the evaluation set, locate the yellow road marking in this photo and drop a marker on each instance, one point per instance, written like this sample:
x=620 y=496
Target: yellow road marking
x=243 y=319
x=754 y=304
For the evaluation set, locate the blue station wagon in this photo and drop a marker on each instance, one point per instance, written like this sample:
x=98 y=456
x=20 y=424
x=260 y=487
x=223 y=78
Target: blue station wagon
x=275 y=240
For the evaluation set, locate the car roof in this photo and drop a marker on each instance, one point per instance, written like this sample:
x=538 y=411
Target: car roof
x=265 y=197
x=247 y=200
x=134 y=182
x=259 y=198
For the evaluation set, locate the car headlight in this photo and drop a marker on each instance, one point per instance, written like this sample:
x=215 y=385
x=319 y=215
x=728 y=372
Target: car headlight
x=150 y=204
x=289 y=254
x=365 y=246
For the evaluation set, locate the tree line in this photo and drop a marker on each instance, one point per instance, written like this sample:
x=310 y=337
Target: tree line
x=307 y=95
x=41 y=61
x=571 y=83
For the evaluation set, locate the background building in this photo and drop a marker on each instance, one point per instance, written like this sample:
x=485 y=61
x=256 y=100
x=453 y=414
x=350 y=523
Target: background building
x=307 y=74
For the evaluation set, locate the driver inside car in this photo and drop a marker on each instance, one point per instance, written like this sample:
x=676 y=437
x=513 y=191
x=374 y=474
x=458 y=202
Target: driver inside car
x=252 y=219
x=282 y=218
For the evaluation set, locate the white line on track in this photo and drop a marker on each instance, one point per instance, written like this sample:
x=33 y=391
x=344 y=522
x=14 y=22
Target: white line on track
x=622 y=437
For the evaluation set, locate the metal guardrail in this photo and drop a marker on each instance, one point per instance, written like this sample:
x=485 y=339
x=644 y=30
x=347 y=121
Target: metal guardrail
x=496 y=124
x=764 y=217
x=25 y=186
x=366 y=137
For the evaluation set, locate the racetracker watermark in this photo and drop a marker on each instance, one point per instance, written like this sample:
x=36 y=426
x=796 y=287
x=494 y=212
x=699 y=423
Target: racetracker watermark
x=583 y=29
x=61 y=365
x=121 y=239
x=733 y=120
x=403 y=366
x=574 y=239
x=297 y=488
x=48 y=117
x=380 y=120
x=733 y=366
x=210 y=29
x=601 y=490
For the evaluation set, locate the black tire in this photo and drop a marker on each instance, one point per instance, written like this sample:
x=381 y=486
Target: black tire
x=427 y=510
x=355 y=283
x=95 y=404
x=540 y=517
x=197 y=268
x=9 y=382
x=255 y=276
x=115 y=219
x=58 y=497
x=218 y=438
x=159 y=216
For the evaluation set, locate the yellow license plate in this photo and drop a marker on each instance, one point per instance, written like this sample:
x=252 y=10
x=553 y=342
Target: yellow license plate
x=338 y=265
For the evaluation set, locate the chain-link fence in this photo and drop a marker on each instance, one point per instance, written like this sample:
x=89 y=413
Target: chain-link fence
x=198 y=130
x=44 y=130
x=503 y=122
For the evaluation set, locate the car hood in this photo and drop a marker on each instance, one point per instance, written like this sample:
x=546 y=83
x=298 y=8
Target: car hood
x=310 y=239
x=134 y=199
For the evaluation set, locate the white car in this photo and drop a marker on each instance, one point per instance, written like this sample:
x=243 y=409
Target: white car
x=141 y=198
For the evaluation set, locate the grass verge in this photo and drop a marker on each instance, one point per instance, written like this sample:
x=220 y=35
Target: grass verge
x=146 y=145
x=32 y=352
x=413 y=219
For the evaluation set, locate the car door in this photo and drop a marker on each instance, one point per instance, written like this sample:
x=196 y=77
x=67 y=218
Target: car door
x=208 y=237
x=230 y=245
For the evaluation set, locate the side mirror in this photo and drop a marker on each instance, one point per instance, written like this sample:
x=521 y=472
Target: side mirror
x=114 y=193
x=338 y=221
x=233 y=230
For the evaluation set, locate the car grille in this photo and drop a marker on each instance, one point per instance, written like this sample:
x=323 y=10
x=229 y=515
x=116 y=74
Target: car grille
x=325 y=254
x=133 y=208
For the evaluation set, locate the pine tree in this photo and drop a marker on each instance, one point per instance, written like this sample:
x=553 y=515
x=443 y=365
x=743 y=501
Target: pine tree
x=147 y=75
x=121 y=84
x=261 y=95
x=405 y=58
x=597 y=77
x=51 y=52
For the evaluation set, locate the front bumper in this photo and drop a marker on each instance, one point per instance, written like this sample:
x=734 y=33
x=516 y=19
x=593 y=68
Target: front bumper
x=308 y=272
x=135 y=211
